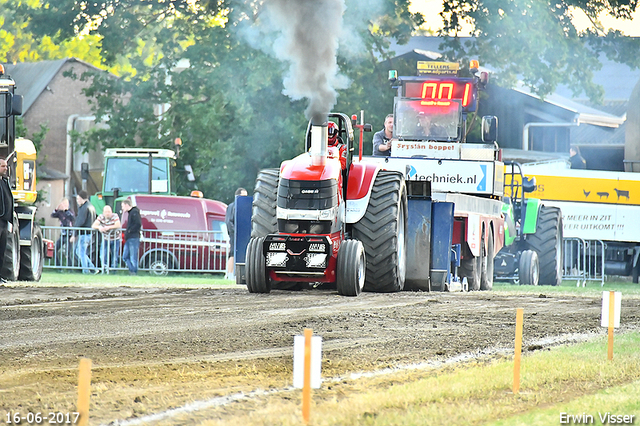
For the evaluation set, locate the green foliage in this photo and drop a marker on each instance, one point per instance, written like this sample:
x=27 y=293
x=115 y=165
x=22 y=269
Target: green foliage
x=226 y=103
x=537 y=43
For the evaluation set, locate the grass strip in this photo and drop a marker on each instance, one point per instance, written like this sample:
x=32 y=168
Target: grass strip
x=572 y=379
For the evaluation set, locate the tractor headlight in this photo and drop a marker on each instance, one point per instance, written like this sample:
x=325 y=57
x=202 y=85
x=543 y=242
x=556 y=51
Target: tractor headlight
x=316 y=260
x=278 y=259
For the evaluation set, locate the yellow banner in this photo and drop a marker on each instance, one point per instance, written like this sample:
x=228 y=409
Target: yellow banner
x=583 y=189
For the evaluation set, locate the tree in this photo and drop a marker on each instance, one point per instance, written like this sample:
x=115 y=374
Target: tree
x=227 y=104
x=536 y=42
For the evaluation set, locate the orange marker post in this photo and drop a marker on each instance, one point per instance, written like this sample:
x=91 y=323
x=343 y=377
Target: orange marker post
x=612 y=298
x=84 y=385
x=306 y=384
x=518 y=350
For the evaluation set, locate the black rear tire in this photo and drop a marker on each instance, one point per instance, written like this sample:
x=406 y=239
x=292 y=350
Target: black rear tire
x=547 y=242
x=32 y=257
x=265 y=193
x=351 y=268
x=382 y=232
x=529 y=268
x=257 y=280
x=11 y=265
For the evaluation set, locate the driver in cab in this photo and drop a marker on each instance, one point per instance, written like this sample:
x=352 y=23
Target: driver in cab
x=427 y=128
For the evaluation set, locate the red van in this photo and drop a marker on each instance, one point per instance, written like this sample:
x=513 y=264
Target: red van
x=181 y=234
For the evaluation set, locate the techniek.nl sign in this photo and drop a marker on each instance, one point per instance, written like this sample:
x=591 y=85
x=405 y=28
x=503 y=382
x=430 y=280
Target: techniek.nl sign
x=447 y=176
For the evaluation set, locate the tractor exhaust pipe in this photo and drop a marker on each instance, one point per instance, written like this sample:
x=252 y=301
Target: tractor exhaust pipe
x=319 y=144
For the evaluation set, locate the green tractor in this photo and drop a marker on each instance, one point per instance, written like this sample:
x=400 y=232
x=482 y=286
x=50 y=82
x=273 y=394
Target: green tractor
x=129 y=171
x=533 y=251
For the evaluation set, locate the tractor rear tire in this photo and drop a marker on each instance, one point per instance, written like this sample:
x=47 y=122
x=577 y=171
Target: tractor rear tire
x=265 y=195
x=382 y=232
x=486 y=279
x=547 y=242
x=351 y=268
x=11 y=265
x=32 y=257
x=257 y=280
x=529 y=268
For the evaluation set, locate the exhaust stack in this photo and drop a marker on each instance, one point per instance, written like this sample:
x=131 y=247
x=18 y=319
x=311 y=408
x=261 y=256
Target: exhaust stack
x=319 y=144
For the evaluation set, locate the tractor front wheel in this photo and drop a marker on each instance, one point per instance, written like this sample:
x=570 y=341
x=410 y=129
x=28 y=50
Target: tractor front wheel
x=350 y=270
x=255 y=270
x=529 y=268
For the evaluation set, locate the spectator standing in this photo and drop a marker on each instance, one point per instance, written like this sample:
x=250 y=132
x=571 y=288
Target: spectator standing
x=86 y=217
x=382 y=139
x=230 y=220
x=576 y=160
x=131 y=236
x=64 y=248
x=6 y=211
x=108 y=223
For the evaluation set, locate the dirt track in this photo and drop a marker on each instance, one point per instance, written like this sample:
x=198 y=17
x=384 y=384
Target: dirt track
x=154 y=349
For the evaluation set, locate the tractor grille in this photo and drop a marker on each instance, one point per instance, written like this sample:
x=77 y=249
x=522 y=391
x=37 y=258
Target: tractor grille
x=307 y=195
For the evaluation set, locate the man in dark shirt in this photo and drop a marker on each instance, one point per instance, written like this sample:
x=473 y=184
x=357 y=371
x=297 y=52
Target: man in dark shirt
x=131 y=236
x=576 y=160
x=6 y=211
x=86 y=217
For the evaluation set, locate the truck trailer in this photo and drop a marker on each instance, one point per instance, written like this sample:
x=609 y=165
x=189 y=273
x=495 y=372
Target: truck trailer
x=598 y=206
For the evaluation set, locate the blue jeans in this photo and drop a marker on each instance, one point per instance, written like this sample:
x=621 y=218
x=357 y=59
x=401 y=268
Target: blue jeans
x=109 y=253
x=81 y=252
x=130 y=254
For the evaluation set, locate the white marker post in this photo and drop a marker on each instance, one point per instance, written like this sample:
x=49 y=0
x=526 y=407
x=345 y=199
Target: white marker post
x=611 y=305
x=307 y=361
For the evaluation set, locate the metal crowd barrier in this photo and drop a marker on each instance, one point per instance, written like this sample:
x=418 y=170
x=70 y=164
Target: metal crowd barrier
x=160 y=252
x=584 y=261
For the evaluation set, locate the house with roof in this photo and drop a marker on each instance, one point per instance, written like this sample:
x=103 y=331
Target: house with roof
x=55 y=101
x=535 y=129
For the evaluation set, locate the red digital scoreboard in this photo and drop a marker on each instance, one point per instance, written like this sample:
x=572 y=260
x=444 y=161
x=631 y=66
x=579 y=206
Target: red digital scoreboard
x=437 y=90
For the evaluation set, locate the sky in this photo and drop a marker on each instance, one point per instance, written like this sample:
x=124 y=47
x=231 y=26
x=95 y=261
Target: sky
x=431 y=9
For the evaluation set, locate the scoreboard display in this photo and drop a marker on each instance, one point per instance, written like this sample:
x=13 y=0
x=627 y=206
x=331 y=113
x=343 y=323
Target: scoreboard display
x=435 y=90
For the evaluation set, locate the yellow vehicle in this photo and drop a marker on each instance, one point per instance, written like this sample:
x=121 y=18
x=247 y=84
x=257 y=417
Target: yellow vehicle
x=24 y=256
x=596 y=205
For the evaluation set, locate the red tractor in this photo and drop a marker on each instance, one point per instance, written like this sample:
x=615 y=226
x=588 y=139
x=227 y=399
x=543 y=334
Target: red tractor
x=324 y=219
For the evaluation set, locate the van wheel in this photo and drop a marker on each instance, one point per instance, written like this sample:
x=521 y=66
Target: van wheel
x=160 y=265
